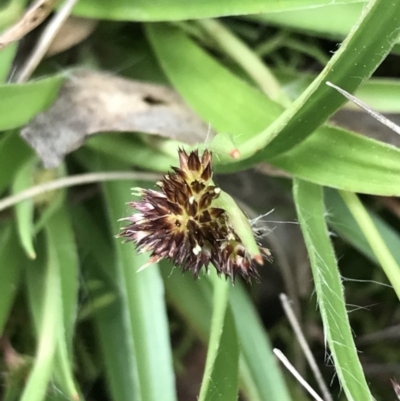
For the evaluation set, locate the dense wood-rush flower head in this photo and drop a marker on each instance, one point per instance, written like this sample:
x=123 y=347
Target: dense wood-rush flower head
x=185 y=223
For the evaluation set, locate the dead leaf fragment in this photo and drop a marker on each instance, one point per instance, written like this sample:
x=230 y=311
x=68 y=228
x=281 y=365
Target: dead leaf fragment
x=91 y=102
x=33 y=17
x=73 y=31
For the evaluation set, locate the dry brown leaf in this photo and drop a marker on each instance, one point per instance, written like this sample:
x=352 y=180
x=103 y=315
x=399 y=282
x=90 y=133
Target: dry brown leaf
x=91 y=102
x=72 y=32
x=33 y=17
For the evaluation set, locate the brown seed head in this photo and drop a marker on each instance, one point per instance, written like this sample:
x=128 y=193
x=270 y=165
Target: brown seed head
x=179 y=222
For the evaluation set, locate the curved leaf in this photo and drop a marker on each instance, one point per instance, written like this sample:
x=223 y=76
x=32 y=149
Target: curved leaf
x=357 y=58
x=63 y=249
x=21 y=102
x=24 y=210
x=220 y=379
x=331 y=156
x=13 y=153
x=257 y=356
x=343 y=222
x=10 y=271
x=375 y=240
x=381 y=94
x=340 y=159
x=260 y=375
x=169 y=10
x=329 y=289
x=44 y=295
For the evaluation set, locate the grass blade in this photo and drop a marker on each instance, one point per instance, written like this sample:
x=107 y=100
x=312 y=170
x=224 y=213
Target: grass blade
x=342 y=221
x=257 y=356
x=13 y=153
x=260 y=376
x=10 y=272
x=377 y=28
x=163 y=10
x=24 y=210
x=59 y=226
x=45 y=293
x=220 y=379
x=146 y=306
x=345 y=161
x=328 y=286
x=374 y=238
x=232 y=106
x=36 y=96
x=102 y=278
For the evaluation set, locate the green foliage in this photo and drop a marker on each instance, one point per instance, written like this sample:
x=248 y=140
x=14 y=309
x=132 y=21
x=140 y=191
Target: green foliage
x=74 y=311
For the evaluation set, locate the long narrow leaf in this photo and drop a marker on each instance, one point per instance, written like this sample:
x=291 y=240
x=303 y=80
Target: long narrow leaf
x=359 y=55
x=58 y=226
x=342 y=221
x=259 y=373
x=35 y=96
x=146 y=307
x=156 y=10
x=220 y=379
x=329 y=289
x=45 y=293
x=256 y=350
x=331 y=156
x=375 y=240
x=340 y=159
x=102 y=278
x=24 y=210
x=11 y=264
x=13 y=153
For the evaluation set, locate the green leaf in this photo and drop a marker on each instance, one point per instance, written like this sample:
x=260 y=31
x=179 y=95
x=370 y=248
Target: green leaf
x=6 y=57
x=58 y=226
x=162 y=10
x=375 y=240
x=340 y=159
x=44 y=294
x=227 y=102
x=345 y=160
x=192 y=299
x=19 y=103
x=260 y=376
x=146 y=306
x=220 y=378
x=257 y=357
x=11 y=265
x=329 y=289
x=102 y=277
x=300 y=119
x=24 y=210
x=10 y=13
x=357 y=58
x=331 y=20
x=380 y=94
x=343 y=222
x=240 y=224
x=13 y=153
x=131 y=151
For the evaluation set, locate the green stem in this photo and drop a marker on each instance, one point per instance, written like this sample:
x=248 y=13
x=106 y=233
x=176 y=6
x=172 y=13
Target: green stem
x=377 y=244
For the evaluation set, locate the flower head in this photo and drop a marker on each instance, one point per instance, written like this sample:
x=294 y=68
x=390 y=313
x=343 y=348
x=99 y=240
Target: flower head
x=186 y=222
